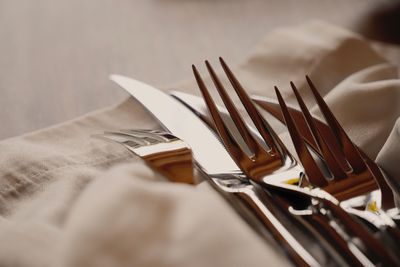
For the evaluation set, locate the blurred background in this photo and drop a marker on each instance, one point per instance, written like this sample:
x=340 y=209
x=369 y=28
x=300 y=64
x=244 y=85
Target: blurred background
x=56 y=56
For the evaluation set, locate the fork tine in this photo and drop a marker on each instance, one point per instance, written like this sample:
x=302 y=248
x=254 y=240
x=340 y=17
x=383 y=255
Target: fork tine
x=137 y=139
x=351 y=152
x=121 y=139
x=139 y=136
x=356 y=160
x=230 y=144
x=337 y=171
x=387 y=197
x=234 y=113
x=142 y=133
x=313 y=172
x=265 y=130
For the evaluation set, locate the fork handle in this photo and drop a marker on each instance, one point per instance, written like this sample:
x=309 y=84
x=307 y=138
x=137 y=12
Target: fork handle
x=356 y=229
x=325 y=232
x=394 y=233
x=321 y=224
x=257 y=201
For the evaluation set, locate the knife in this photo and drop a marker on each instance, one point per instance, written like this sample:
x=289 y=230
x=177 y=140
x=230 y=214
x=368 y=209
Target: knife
x=214 y=161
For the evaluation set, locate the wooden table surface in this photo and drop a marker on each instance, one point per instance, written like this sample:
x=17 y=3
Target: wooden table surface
x=55 y=56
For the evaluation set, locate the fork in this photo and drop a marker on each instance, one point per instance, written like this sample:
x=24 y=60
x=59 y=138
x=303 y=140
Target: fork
x=383 y=183
x=345 y=168
x=275 y=161
x=162 y=151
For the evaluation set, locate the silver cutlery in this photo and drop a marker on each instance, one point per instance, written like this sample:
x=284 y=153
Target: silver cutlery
x=197 y=104
x=199 y=107
x=345 y=179
x=384 y=183
x=274 y=162
x=162 y=151
x=214 y=161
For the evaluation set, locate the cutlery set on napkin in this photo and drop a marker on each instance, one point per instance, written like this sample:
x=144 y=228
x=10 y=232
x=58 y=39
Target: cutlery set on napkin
x=326 y=203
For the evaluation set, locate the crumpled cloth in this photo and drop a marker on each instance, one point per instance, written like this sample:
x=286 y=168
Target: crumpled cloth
x=67 y=199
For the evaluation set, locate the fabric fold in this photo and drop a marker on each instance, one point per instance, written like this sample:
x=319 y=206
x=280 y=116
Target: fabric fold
x=125 y=219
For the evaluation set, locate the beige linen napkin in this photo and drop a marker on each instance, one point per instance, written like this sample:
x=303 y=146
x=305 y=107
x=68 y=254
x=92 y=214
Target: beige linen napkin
x=67 y=199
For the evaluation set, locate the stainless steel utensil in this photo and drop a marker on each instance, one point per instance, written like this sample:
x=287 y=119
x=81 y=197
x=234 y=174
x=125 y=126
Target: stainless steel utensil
x=263 y=164
x=162 y=151
x=215 y=162
x=272 y=107
x=347 y=170
x=199 y=107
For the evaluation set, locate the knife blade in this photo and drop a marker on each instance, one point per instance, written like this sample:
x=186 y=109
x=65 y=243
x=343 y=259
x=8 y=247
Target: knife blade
x=176 y=118
x=212 y=159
